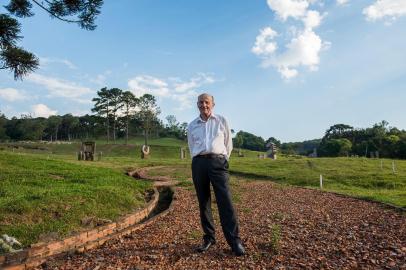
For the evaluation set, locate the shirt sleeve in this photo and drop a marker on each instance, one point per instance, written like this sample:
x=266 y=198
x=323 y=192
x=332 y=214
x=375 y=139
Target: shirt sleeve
x=228 y=141
x=189 y=140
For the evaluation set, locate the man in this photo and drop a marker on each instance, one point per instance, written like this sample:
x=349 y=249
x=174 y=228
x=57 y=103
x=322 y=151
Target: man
x=210 y=145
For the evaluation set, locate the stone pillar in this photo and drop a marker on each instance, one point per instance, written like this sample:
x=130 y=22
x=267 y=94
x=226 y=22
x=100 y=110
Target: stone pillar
x=182 y=153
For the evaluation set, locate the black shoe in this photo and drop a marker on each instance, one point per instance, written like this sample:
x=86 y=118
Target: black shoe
x=205 y=246
x=238 y=249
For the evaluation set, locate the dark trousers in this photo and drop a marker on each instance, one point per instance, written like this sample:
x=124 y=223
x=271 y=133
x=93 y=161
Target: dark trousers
x=215 y=171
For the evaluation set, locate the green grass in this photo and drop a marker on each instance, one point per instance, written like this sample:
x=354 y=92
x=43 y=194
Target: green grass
x=357 y=177
x=44 y=189
x=163 y=147
x=39 y=195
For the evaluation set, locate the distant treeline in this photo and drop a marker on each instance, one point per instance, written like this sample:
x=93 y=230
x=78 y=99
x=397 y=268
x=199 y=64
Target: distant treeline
x=68 y=127
x=380 y=140
x=118 y=114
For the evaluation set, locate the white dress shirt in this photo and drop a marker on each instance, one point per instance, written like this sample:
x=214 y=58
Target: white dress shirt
x=210 y=137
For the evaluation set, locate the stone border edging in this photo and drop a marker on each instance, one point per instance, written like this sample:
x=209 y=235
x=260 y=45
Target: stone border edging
x=83 y=241
x=159 y=181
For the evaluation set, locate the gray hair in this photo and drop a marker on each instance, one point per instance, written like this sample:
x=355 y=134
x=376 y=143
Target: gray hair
x=205 y=95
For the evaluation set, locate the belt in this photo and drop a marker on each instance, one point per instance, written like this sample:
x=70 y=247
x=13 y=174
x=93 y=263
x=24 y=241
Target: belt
x=210 y=156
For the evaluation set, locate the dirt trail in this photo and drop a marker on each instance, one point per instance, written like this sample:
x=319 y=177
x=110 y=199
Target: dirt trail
x=282 y=228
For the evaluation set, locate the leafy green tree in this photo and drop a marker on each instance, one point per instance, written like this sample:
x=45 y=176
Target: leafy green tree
x=148 y=113
x=274 y=141
x=90 y=125
x=336 y=147
x=25 y=128
x=238 y=142
x=130 y=103
x=401 y=148
x=18 y=60
x=389 y=145
x=103 y=107
x=251 y=141
x=116 y=105
x=172 y=123
x=68 y=124
x=338 y=131
x=3 y=122
x=183 y=131
x=52 y=127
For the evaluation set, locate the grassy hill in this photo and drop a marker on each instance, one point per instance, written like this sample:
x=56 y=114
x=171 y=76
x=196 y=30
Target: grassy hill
x=164 y=147
x=359 y=177
x=43 y=188
x=40 y=195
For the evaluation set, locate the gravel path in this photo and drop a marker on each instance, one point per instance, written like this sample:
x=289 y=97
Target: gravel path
x=282 y=228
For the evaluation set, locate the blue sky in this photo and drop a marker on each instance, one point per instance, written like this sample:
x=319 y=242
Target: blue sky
x=282 y=68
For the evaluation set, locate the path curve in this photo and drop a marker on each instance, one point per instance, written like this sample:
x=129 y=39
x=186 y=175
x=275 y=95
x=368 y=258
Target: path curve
x=282 y=227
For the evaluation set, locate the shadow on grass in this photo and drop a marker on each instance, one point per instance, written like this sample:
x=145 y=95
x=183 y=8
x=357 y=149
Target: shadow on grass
x=251 y=176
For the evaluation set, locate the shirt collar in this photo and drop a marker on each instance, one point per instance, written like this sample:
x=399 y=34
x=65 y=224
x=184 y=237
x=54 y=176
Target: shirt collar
x=200 y=120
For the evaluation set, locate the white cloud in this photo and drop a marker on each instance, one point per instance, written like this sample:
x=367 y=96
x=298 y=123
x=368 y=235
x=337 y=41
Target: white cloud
x=193 y=83
x=12 y=94
x=60 y=88
x=172 y=88
x=100 y=79
x=304 y=46
x=185 y=99
x=287 y=73
x=42 y=110
x=143 y=84
x=342 y=2
x=391 y=9
x=302 y=50
x=289 y=8
x=264 y=44
x=312 y=19
x=44 y=61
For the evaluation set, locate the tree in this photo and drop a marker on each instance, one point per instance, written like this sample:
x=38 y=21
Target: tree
x=149 y=111
x=338 y=131
x=251 y=141
x=103 y=107
x=68 y=124
x=238 y=141
x=274 y=141
x=116 y=104
x=183 y=130
x=52 y=126
x=130 y=103
x=25 y=128
x=172 y=122
x=336 y=147
x=90 y=125
x=300 y=148
x=18 y=60
x=3 y=122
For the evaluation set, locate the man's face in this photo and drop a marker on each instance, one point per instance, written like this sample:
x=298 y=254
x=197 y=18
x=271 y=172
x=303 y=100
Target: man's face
x=205 y=105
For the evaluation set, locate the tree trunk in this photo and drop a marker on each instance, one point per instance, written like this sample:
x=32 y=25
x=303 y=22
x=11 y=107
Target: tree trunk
x=108 y=129
x=126 y=135
x=114 y=129
x=146 y=137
